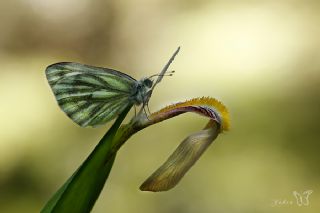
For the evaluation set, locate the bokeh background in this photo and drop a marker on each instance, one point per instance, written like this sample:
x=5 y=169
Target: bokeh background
x=260 y=58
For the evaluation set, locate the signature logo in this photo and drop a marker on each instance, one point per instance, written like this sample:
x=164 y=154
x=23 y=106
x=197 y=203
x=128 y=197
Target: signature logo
x=301 y=199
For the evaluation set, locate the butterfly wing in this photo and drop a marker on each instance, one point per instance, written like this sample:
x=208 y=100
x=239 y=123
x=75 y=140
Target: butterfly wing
x=90 y=95
x=298 y=198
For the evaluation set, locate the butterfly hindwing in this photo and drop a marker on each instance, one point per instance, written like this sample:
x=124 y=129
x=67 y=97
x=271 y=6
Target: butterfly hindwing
x=90 y=95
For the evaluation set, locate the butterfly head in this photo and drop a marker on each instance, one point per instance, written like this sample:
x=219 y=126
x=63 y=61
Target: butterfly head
x=145 y=86
x=143 y=91
x=147 y=83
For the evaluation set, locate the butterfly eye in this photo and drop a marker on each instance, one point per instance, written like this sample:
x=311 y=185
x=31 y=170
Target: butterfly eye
x=148 y=83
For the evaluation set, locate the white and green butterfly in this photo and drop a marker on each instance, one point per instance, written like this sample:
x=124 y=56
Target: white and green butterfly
x=92 y=96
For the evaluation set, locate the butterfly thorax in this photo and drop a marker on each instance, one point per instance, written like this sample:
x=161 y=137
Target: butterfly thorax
x=142 y=91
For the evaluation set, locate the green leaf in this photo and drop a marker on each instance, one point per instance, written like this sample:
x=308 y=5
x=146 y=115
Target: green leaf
x=81 y=190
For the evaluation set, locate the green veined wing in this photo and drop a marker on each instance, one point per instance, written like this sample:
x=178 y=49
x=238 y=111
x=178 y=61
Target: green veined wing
x=90 y=95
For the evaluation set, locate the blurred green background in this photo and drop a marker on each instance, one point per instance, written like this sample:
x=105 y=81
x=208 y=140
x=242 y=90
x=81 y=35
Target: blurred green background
x=260 y=58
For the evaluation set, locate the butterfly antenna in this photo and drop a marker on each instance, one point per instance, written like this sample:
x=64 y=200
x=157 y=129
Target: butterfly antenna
x=169 y=73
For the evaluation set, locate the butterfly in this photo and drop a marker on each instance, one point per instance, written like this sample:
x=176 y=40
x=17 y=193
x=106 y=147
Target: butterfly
x=303 y=198
x=92 y=96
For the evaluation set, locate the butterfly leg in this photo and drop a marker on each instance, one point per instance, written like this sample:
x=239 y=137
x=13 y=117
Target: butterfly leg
x=144 y=109
x=148 y=108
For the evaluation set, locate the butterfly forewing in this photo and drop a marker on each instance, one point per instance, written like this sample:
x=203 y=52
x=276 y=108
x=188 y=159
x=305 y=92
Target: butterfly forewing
x=90 y=95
